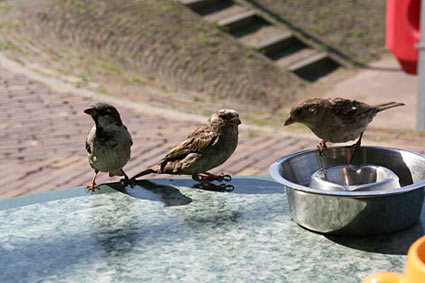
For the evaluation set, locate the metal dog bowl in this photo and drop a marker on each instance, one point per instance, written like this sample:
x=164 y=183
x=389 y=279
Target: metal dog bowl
x=353 y=212
x=354 y=178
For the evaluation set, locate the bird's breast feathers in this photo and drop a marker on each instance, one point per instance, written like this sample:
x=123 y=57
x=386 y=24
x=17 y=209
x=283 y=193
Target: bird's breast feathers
x=112 y=153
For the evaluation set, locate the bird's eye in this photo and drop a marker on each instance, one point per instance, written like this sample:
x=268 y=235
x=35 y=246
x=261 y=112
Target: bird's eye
x=298 y=111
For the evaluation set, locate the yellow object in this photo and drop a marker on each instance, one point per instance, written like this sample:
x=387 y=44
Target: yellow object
x=414 y=271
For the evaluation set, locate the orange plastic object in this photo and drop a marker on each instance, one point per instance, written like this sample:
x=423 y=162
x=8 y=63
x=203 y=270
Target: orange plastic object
x=414 y=271
x=384 y=277
x=402 y=32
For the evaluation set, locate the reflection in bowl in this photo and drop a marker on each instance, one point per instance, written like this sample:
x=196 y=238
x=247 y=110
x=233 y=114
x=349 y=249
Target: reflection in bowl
x=353 y=212
x=354 y=178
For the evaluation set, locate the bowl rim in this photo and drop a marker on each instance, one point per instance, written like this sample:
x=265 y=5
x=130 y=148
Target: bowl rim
x=274 y=174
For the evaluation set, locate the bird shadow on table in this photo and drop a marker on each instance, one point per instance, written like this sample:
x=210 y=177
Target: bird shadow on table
x=149 y=190
x=165 y=191
x=242 y=185
x=395 y=243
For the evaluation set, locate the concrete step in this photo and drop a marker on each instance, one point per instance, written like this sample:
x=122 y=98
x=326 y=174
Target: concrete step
x=282 y=46
x=206 y=7
x=263 y=36
x=308 y=60
x=314 y=67
x=275 y=42
x=254 y=33
x=296 y=57
x=223 y=14
x=235 y=18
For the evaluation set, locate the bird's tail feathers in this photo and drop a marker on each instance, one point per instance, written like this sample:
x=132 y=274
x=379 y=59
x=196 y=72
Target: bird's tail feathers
x=388 y=105
x=145 y=172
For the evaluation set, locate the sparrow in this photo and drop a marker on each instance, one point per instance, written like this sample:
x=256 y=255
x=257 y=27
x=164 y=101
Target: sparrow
x=336 y=120
x=206 y=148
x=108 y=142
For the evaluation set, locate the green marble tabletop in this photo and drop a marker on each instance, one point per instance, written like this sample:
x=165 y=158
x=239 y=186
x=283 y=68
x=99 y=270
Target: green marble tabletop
x=164 y=230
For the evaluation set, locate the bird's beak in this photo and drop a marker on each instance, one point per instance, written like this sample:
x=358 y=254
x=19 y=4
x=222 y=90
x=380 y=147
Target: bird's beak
x=90 y=111
x=236 y=121
x=290 y=120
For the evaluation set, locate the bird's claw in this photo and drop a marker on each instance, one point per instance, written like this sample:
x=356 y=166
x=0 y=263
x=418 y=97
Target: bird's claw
x=224 y=177
x=321 y=151
x=211 y=177
x=321 y=147
x=92 y=188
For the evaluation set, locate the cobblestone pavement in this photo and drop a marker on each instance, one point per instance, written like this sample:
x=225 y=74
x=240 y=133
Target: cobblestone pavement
x=42 y=140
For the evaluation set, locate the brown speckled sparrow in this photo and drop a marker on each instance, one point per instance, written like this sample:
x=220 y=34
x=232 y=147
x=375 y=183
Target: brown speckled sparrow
x=108 y=143
x=336 y=119
x=206 y=148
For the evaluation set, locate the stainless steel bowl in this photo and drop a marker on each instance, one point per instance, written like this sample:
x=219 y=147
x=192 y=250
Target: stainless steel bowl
x=353 y=212
x=354 y=178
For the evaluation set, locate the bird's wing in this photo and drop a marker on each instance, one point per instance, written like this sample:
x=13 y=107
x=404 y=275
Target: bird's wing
x=88 y=148
x=131 y=139
x=350 y=111
x=197 y=142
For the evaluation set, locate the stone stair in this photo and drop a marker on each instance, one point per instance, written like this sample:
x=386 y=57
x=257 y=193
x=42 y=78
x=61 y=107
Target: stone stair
x=273 y=40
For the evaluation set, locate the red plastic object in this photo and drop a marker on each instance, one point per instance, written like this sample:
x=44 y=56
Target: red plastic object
x=402 y=32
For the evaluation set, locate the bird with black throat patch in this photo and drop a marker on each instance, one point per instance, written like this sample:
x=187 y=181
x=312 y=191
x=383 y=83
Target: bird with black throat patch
x=108 y=143
x=207 y=147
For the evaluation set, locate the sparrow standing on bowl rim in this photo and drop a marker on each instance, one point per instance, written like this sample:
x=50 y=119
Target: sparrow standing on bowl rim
x=108 y=143
x=336 y=120
x=207 y=147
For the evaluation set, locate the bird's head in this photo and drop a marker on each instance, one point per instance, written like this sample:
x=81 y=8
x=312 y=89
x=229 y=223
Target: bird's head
x=225 y=118
x=305 y=112
x=104 y=115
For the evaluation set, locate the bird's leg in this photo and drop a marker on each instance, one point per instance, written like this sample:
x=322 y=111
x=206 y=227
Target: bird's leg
x=219 y=177
x=126 y=180
x=206 y=185
x=321 y=147
x=356 y=147
x=93 y=185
